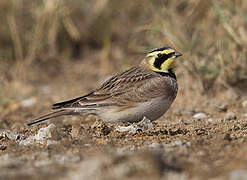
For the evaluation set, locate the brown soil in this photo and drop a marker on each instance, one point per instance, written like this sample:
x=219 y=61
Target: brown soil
x=179 y=146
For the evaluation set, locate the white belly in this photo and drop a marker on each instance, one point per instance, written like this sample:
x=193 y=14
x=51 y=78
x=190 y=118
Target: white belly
x=151 y=110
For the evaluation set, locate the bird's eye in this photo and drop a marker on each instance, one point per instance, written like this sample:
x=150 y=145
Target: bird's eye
x=159 y=55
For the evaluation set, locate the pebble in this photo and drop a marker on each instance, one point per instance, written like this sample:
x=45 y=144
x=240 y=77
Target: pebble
x=9 y=134
x=66 y=158
x=146 y=124
x=46 y=89
x=77 y=132
x=230 y=116
x=155 y=145
x=141 y=126
x=210 y=121
x=28 y=102
x=244 y=103
x=100 y=128
x=41 y=137
x=238 y=174
x=131 y=128
x=178 y=143
x=223 y=107
x=199 y=115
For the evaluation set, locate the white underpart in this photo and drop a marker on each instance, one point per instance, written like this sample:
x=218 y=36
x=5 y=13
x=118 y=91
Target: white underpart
x=152 y=110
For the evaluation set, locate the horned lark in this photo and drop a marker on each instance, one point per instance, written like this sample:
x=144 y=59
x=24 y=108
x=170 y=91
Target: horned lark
x=146 y=90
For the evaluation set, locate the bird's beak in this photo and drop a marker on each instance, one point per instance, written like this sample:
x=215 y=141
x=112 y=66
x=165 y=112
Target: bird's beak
x=177 y=54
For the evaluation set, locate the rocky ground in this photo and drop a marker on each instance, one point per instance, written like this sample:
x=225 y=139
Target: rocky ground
x=200 y=137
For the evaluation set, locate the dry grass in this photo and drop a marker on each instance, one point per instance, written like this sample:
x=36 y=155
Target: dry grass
x=54 y=50
x=211 y=34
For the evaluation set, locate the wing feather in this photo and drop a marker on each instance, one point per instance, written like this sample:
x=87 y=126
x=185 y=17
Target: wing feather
x=119 y=90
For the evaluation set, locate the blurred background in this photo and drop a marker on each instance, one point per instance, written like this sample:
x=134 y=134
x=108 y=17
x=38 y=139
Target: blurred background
x=55 y=50
x=51 y=50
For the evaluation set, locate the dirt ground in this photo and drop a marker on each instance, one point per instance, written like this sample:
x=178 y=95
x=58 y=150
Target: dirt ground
x=200 y=137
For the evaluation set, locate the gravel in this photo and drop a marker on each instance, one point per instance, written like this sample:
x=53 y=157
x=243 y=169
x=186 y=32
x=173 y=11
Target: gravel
x=199 y=115
x=244 y=103
x=42 y=137
x=230 y=116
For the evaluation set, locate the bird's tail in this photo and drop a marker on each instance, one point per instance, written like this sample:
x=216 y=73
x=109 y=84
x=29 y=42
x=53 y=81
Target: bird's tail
x=50 y=115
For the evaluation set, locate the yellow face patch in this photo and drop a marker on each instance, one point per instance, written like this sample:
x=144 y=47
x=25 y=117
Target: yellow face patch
x=167 y=51
x=155 y=54
x=165 y=64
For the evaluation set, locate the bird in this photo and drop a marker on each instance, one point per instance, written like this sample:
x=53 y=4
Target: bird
x=143 y=91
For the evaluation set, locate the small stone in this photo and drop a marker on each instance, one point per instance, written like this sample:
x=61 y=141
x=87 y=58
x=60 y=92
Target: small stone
x=77 y=132
x=88 y=145
x=230 y=116
x=28 y=102
x=66 y=158
x=232 y=94
x=244 y=103
x=213 y=121
x=178 y=143
x=130 y=128
x=51 y=142
x=210 y=120
x=202 y=153
x=155 y=145
x=199 y=115
x=223 y=107
x=145 y=124
x=100 y=128
x=141 y=126
x=238 y=174
x=9 y=134
x=45 y=89
x=41 y=137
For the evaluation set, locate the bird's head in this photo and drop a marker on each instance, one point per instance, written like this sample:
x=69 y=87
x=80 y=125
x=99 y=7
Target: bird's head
x=161 y=60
